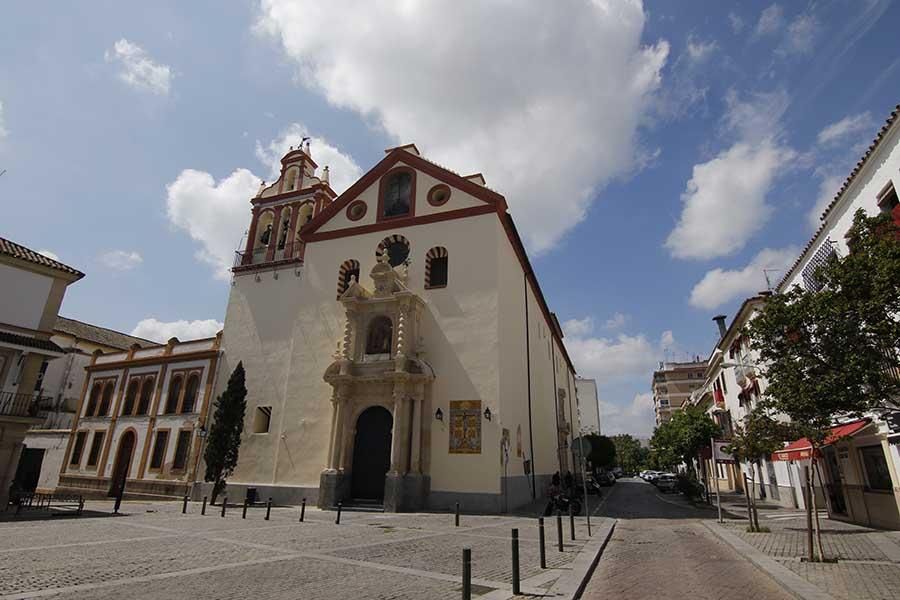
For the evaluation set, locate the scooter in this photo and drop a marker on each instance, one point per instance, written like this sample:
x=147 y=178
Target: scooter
x=561 y=503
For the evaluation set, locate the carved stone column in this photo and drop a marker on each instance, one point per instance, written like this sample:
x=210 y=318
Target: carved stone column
x=415 y=461
x=397 y=436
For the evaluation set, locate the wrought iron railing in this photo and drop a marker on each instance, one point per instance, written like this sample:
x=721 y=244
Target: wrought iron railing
x=19 y=405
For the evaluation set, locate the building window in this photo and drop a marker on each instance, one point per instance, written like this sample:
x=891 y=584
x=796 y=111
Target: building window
x=822 y=257
x=78 y=448
x=379 y=338
x=262 y=419
x=346 y=274
x=887 y=199
x=190 y=393
x=357 y=210
x=397 y=193
x=94 y=400
x=174 y=393
x=396 y=247
x=146 y=395
x=106 y=402
x=134 y=387
x=39 y=382
x=181 y=449
x=436 y=267
x=159 y=449
x=439 y=195
x=877 y=475
x=96 y=446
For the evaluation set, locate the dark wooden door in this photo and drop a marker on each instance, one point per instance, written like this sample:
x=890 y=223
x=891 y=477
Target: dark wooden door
x=122 y=464
x=371 y=453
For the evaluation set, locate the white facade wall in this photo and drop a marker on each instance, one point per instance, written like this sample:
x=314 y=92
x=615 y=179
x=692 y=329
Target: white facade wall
x=588 y=406
x=25 y=294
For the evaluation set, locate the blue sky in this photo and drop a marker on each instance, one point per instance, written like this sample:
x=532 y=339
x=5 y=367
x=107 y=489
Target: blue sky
x=656 y=157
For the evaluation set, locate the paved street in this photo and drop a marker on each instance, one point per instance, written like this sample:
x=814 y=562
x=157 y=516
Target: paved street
x=153 y=551
x=660 y=550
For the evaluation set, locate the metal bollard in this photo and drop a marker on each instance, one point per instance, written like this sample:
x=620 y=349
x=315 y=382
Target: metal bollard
x=515 y=563
x=244 y=512
x=184 y=505
x=543 y=545
x=80 y=505
x=268 y=508
x=302 y=509
x=571 y=522
x=203 y=508
x=457 y=515
x=467 y=574
x=224 y=504
x=559 y=530
x=337 y=521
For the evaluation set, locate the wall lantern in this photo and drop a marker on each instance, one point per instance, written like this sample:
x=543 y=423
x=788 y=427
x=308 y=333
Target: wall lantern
x=202 y=432
x=487 y=414
x=439 y=414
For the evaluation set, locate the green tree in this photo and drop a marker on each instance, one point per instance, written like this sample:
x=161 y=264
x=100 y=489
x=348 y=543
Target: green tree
x=828 y=352
x=603 y=451
x=224 y=438
x=680 y=438
x=630 y=455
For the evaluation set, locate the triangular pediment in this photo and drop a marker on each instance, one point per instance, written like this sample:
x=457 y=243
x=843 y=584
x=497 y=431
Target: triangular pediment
x=437 y=193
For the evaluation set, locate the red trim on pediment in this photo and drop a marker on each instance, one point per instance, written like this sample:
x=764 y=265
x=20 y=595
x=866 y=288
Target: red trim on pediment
x=319 y=187
x=398 y=223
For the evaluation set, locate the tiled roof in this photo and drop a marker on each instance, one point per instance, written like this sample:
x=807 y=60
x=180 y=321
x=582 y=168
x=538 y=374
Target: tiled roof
x=15 y=250
x=28 y=342
x=99 y=335
x=892 y=118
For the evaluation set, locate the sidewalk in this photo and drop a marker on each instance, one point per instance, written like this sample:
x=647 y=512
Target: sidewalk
x=868 y=564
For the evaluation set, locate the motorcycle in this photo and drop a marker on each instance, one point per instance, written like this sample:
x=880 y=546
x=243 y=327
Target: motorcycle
x=560 y=502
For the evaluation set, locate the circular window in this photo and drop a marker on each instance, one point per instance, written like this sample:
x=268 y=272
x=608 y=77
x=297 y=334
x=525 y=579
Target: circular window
x=438 y=195
x=356 y=210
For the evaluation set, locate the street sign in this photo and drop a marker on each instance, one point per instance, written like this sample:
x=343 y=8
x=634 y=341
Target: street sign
x=720 y=453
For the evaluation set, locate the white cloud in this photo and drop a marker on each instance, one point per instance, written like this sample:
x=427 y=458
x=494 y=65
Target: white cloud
x=770 y=20
x=121 y=260
x=667 y=339
x=757 y=117
x=138 y=70
x=450 y=77
x=617 y=321
x=49 y=254
x=217 y=213
x=828 y=188
x=636 y=417
x=725 y=201
x=849 y=126
x=720 y=286
x=578 y=327
x=698 y=50
x=212 y=213
x=800 y=36
x=3 y=131
x=737 y=23
x=163 y=331
x=342 y=168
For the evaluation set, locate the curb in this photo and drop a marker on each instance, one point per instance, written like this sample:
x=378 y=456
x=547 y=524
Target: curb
x=784 y=577
x=572 y=586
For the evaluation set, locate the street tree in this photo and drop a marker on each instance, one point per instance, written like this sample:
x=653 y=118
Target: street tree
x=603 y=451
x=828 y=351
x=224 y=440
x=681 y=438
x=630 y=455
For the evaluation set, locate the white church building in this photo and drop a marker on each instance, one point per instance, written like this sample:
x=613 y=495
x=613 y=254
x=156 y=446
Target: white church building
x=397 y=346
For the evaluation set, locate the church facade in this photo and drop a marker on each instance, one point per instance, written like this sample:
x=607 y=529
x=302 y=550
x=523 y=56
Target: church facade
x=397 y=346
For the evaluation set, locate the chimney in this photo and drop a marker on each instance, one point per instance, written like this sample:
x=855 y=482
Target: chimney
x=720 y=321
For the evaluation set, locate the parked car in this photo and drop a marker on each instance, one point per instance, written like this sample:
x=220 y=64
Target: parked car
x=666 y=482
x=652 y=476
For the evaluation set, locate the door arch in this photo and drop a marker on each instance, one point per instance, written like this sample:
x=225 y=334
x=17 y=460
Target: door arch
x=371 y=453
x=122 y=464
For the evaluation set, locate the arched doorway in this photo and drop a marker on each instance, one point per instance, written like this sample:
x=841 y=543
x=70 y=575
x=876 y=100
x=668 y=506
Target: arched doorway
x=122 y=464
x=371 y=453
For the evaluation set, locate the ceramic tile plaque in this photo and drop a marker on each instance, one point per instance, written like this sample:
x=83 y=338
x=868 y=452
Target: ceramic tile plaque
x=465 y=427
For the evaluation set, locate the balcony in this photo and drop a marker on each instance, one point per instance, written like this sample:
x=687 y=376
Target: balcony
x=19 y=405
x=266 y=257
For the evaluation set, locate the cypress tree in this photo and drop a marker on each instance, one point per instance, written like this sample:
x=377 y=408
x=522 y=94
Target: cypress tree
x=224 y=440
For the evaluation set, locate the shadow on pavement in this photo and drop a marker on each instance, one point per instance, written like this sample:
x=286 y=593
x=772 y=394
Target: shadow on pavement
x=633 y=498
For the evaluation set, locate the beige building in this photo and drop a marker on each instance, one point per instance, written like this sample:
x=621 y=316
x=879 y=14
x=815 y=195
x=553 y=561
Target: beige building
x=398 y=348
x=672 y=386
x=33 y=288
x=141 y=420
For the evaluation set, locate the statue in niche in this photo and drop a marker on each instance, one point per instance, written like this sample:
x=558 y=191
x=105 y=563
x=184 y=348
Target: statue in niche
x=380 y=333
x=282 y=239
x=266 y=235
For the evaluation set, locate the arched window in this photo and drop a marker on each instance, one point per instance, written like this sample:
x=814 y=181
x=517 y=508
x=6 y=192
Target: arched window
x=397 y=248
x=380 y=336
x=93 y=400
x=190 y=393
x=284 y=227
x=306 y=215
x=134 y=387
x=146 y=395
x=397 y=188
x=106 y=402
x=349 y=269
x=264 y=226
x=436 y=267
x=290 y=179
x=174 y=392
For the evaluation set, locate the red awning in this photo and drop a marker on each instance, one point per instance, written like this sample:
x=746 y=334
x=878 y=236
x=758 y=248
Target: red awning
x=802 y=449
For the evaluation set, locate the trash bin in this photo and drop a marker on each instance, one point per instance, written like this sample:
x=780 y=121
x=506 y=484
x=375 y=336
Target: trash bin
x=252 y=495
